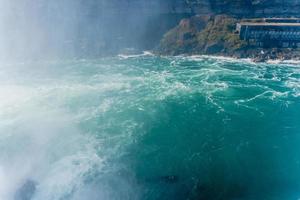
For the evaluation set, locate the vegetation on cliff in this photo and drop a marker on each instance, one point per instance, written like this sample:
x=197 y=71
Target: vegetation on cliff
x=216 y=35
x=202 y=34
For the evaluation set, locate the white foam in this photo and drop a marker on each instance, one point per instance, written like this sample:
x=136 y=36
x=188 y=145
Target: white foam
x=126 y=56
x=234 y=59
x=42 y=143
x=44 y=146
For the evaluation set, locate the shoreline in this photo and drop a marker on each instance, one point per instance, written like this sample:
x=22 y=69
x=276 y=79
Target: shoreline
x=217 y=35
x=236 y=59
x=267 y=57
x=213 y=56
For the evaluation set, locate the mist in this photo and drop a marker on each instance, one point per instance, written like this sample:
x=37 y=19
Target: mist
x=87 y=114
x=78 y=28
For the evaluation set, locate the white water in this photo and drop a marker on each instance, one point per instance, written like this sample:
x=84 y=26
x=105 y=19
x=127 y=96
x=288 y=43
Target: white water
x=72 y=126
x=39 y=140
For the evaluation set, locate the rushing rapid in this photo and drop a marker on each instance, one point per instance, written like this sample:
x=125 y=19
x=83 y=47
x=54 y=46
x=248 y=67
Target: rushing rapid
x=148 y=128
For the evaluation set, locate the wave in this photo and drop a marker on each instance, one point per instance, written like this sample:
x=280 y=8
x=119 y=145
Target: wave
x=291 y=62
x=78 y=129
x=199 y=58
x=126 y=56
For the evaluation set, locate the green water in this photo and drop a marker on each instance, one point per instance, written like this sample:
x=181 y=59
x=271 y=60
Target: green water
x=150 y=128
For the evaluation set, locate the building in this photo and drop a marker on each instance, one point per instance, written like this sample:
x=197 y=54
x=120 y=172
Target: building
x=271 y=32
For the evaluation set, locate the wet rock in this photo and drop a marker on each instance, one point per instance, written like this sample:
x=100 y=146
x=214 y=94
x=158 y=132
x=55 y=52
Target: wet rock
x=214 y=48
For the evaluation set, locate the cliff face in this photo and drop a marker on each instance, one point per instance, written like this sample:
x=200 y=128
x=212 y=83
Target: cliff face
x=245 y=8
x=142 y=23
x=153 y=18
x=98 y=27
x=204 y=34
x=230 y=7
x=217 y=35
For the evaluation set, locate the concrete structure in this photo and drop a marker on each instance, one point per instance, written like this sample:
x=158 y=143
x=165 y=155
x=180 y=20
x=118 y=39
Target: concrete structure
x=272 y=32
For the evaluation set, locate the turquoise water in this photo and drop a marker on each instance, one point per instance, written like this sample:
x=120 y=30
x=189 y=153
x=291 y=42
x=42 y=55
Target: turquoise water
x=149 y=128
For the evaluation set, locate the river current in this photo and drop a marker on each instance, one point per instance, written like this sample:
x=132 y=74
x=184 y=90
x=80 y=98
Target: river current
x=149 y=128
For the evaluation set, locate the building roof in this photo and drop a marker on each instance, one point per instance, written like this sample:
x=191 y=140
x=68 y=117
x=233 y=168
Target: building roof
x=268 y=24
x=282 y=18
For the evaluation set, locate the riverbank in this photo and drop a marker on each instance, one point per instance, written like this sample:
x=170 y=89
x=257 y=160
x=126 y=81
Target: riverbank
x=217 y=35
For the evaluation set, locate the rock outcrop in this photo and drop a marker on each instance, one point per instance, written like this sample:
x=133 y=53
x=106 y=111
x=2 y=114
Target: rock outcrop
x=247 y=8
x=81 y=28
x=239 y=8
x=203 y=34
x=216 y=35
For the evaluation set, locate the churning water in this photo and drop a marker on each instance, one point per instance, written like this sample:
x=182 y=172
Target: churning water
x=149 y=128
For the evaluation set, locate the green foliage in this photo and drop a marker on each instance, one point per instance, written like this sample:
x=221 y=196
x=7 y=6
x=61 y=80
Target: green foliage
x=219 y=31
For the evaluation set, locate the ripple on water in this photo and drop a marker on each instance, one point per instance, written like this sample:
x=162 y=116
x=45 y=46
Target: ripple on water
x=146 y=127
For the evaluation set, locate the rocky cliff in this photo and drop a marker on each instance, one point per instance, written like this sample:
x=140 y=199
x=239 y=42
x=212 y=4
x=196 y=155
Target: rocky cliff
x=203 y=34
x=99 y=27
x=247 y=8
x=142 y=23
x=159 y=16
x=217 y=35
x=229 y=7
